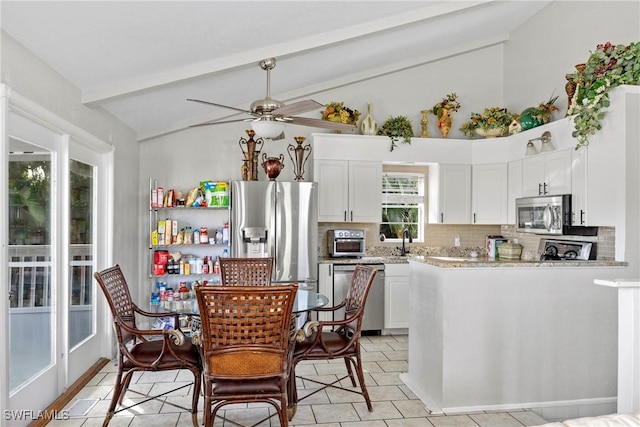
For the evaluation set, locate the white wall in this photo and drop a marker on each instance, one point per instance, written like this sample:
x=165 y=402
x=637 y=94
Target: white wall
x=35 y=80
x=545 y=48
x=523 y=72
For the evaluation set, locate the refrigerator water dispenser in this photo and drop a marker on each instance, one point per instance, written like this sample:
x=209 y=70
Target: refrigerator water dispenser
x=255 y=239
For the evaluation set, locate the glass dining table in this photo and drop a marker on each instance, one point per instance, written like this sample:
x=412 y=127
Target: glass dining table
x=307 y=299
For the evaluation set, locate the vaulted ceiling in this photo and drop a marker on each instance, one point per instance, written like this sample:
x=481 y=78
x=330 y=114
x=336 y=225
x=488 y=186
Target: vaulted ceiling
x=141 y=60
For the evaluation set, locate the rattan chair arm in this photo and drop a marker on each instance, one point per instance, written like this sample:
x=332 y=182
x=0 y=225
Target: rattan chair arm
x=177 y=334
x=332 y=308
x=154 y=315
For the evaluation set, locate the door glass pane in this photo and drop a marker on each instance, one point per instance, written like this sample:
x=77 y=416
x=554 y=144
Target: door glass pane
x=81 y=319
x=30 y=260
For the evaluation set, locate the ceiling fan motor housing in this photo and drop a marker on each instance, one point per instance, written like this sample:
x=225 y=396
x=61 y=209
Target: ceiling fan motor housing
x=266 y=105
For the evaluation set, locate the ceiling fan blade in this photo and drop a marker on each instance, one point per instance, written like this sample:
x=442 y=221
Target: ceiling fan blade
x=300 y=107
x=319 y=123
x=219 y=123
x=220 y=105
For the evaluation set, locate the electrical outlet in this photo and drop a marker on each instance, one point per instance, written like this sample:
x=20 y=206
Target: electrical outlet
x=456 y=241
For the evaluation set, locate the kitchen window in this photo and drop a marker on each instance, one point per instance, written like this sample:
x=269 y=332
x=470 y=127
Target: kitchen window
x=402 y=205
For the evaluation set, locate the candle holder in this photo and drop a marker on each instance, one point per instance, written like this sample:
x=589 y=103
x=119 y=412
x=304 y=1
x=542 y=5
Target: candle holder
x=424 y=123
x=300 y=157
x=249 y=169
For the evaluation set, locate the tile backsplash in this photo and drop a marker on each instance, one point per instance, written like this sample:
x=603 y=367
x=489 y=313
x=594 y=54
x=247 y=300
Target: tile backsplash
x=440 y=240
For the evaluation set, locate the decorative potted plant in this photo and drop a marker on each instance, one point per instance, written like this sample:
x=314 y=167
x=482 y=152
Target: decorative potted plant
x=443 y=110
x=396 y=128
x=607 y=67
x=337 y=112
x=494 y=121
x=536 y=116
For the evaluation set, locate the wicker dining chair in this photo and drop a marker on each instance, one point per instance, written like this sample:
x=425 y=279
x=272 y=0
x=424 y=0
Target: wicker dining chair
x=246 y=271
x=337 y=339
x=247 y=337
x=138 y=351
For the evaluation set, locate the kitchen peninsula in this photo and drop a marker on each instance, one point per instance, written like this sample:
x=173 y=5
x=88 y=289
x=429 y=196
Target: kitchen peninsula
x=488 y=335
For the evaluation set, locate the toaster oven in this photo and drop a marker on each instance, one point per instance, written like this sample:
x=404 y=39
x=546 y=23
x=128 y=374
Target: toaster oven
x=346 y=243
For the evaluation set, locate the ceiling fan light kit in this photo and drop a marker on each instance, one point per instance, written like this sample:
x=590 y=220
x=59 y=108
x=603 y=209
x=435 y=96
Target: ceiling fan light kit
x=270 y=115
x=269 y=129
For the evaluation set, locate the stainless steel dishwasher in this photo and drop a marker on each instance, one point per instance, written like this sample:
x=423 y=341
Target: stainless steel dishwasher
x=373 y=320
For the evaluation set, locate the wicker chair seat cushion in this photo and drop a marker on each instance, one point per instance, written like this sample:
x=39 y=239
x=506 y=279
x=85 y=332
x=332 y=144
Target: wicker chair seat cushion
x=333 y=341
x=147 y=352
x=230 y=388
x=246 y=363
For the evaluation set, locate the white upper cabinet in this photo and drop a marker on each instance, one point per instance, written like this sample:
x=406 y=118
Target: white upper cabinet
x=547 y=174
x=450 y=194
x=349 y=190
x=579 y=187
x=514 y=190
x=489 y=197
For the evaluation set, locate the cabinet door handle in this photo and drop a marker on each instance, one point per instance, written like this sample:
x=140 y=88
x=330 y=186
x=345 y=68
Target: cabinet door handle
x=545 y=188
x=581 y=216
x=441 y=216
x=345 y=216
x=351 y=215
x=539 y=189
x=330 y=270
x=474 y=217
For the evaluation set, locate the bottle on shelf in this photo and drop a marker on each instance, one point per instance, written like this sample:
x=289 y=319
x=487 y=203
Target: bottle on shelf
x=225 y=233
x=216 y=266
x=225 y=253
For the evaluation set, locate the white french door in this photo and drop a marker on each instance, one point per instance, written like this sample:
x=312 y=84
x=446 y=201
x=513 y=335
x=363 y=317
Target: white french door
x=56 y=234
x=87 y=180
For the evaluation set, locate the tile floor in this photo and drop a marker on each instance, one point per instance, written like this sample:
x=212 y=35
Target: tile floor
x=394 y=404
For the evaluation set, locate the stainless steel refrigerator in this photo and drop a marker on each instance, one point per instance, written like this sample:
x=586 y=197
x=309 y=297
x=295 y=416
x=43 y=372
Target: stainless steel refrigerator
x=279 y=220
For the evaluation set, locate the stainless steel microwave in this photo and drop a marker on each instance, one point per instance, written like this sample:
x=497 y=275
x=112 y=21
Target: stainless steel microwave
x=544 y=214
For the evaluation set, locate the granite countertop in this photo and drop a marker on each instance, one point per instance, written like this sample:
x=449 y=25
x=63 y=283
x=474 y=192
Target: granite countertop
x=366 y=260
x=484 y=262
x=468 y=262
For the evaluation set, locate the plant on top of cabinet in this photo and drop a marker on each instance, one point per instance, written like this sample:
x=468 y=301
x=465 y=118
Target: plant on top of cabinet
x=337 y=112
x=607 y=67
x=534 y=116
x=443 y=110
x=396 y=128
x=492 y=119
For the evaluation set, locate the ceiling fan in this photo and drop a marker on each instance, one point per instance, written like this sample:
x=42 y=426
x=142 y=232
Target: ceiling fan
x=269 y=115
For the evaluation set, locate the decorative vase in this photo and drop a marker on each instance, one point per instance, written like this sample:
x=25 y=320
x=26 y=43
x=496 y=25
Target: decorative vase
x=528 y=119
x=444 y=122
x=368 y=125
x=424 y=123
x=300 y=159
x=272 y=165
x=249 y=169
x=490 y=133
x=570 y=88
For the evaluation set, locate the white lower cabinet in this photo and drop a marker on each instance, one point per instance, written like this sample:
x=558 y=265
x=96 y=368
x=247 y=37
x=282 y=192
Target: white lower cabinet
x=396 y=296
x=325 y=287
